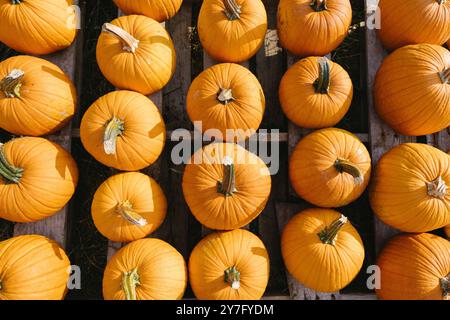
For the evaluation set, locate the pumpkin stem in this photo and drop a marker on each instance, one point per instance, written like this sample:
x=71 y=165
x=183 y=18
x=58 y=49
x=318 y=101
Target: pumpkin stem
x=442 y=1
x=15 y=1
x=350 y=168
x=445 y=76
x=125 y=209
x=11 y=84
x=445 y=286
x=228 y=185
x=130 y=43
x=322 y=84
x=8 y=172
x=437 y=188
x=114 y=128
x=225 y=96
x=319 y=5
x=329 y=234
x=130 y=280
x=233 y=277
x=232 y=9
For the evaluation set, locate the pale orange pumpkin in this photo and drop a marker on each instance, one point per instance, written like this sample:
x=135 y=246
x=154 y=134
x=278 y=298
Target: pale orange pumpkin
x=159 y=10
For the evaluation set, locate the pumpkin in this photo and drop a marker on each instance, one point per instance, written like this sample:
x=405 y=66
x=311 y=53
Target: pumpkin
x=123 y=130
x=36 y=97
x=159 y=10
x=411 y=89
x=315 y=93
x=37 y=179
x=33 y=267
x=136 y=53
x=405 y=22
x=232 y=30
x=225 y=186
x=128 y=206
x=447 y=230
x=36 y=26
x=330 y=168
x=415 y=267
x=410 y=189
x=313 y=27
x=226 y=97
x=146 y=269
x=231 y=265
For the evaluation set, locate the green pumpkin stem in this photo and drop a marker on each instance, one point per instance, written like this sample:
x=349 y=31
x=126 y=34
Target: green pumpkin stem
x=15 y=1
x=322 y=84
x=130 y=43
x=319 y=5
x=233 y=277
x=125 y=209
x=11 y=84
x=114 y=128
x=8 y=172
x=445 y=286
x=225 y=96
x=228 y=186
x=329 y=234
x=437 y=188
x=232 y=9
x=445 y=76
x=349 y=167
x=130 y=280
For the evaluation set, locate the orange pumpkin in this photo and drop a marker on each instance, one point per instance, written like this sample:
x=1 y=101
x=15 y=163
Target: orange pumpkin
x=447 y=230
x=330 y=168
x=225 y=186
x=37 y=179
x=128 y=206
x=410 y=189
x=405 y=22
x=322 y=250
x=123 y=130
x=159 y=10
x=313 y=27
x=232 y=30
x=36 y=97
x=136 y=53
x=33 y=267
x=415 y=267
x=226 y=97
x=146 y=269
x=231 y=265
x=316 y=93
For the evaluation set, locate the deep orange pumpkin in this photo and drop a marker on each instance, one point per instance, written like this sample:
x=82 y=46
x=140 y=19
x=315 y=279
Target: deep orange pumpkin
x=159 y=10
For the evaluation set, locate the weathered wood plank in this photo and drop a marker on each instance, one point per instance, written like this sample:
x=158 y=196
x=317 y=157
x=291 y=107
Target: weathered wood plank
x=347 y=296
x=440 y=140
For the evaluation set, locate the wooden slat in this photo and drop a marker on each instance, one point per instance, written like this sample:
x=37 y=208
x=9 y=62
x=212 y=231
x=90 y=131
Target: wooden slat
x=440 y=140
x=347 y=296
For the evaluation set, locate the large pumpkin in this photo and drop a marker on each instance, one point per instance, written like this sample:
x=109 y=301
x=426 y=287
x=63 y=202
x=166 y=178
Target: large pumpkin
x=128 y=206
x=322 y=250
x=136 y=53
x=330 y=168
x=313 y=27
x=232 y=30
x=226 y=97
x=316 y=93
x=405 y=22
x=33 y=267
x=410 y=189
x=415 y=267
x=412 y=88
x=231 y=265
x=146 y=269
x=159 y=10
x=36 y=97
x=123 y=130
x=225 y=186
x=36 y=26
x=37 y=179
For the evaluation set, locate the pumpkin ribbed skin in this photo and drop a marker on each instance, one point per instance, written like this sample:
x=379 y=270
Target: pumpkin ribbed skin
x=405 y=22
x=47 y=97
x=160 y=267
x=315 y=177
x=149 y=68
x=50 y=176
x=306 y=32
x=242 y=113
x=33 y=267
x=399 y=193
x=235 y=40
x=220 y=251
x=308 y=108
x=145 y=197
x=321 y=266
x=159 y=10
x=143 y=137
x=409 y=93
x=411 y=267
x=205 y=172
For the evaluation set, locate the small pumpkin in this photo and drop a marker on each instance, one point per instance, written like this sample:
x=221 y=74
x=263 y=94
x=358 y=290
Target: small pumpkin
x=159 y=10
x=330 y=168
x=231 y=265
x=123 y=130
x=128 y=206
x=405 y=22
x=410 y=189
x=33 y=267
x=225 y=186
x=316 y=93
x=36 y=97
x=146 y=269
x=411 y=89
x=37 y=179
x=136 y=53
x=313 y=27
x=225 y=97
x=322 y=250
x=415 y=267
x=232 y=30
